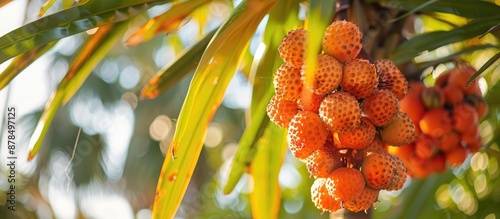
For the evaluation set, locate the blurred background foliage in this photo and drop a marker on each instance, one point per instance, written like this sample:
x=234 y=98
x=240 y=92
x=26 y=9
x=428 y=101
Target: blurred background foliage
x=125 y=84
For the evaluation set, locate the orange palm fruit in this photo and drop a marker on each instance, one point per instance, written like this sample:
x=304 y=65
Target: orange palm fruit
x=436 y=122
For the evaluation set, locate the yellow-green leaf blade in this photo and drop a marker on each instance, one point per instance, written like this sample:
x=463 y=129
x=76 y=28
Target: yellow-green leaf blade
x=265 y=63
x=450 y=57
x=265 y=168
x=45 y=7
x=21 y=62
x=483 y=68
x=93 y=13
x=321 y=14
x=171 y=74
x=167 y=22
x=90 y=56
x=247 y=146
x=217 y=66
x=96 y=47
x=427 y=41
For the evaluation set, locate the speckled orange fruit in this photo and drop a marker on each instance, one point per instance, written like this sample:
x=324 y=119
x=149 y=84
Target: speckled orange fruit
x=342 y=40
x=470 y=135
x=378 y=169
x=281 y=111
x=364 y=201
x=453 y=94
x=456 y=156
x=464 y=117
x=390 y=78
x=323 y=161
x=345 y=183
x=359 y=78
x=340 y=112
x=413 y=106
x=401 y=174
x=306 y=133
x=292 y=47
x=312 y=103
x=460 y=75
x=287 y=82
x=359 y=137
x=404 y=152
x=449 y=141
x=328 y=75
x=381 y=107
x=426 y=147
x=479 y=104
x=399 y=131
x=321 y=199
x=377 y=145
x=436 y=122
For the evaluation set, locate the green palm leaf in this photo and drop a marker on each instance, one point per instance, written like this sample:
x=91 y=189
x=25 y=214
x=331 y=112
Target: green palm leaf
x=96 y=47
x=21 y=62
x=68 y=22
x=265 y=198
x=464 y=8
x=433 y=40
x=171 y=74
x=216 y=68
x=169 y=21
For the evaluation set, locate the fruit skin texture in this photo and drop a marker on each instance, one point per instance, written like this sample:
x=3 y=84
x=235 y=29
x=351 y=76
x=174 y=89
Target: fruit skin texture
x=345 y=183
x=381 y=107
x=379 y=170
x=359 y=78
x=342 y=40
x=390 y=78
x=340 y=112
x=364 y=201
x=436 y=122
x=321 y=199
x=292 y=47
x=323 y=161
x=426 y=147
x=464 y=117
x=376 y=145
x=399 y=131
x=281 y=111
x=459 y=77
x=306 y=133
x=359 y=137
x=328 y=75
x=287 y=82
x=401 y=174
x=313 y=103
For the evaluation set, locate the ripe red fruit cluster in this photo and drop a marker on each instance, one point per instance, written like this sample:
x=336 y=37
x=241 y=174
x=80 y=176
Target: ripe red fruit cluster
x=340 y=125
x=446 y=117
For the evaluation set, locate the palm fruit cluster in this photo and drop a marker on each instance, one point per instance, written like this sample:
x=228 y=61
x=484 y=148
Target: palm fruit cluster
x=446 y=118
x=340 y=125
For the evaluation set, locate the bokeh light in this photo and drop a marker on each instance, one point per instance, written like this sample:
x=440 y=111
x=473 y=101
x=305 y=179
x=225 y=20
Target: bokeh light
x=129 y=77
x=214 y=135
x=160 y=127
